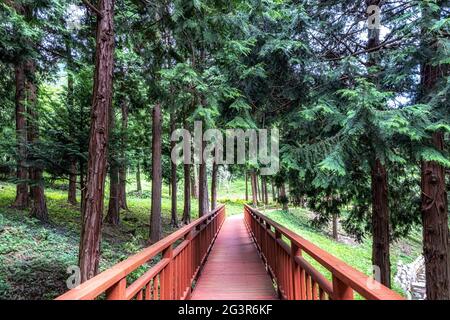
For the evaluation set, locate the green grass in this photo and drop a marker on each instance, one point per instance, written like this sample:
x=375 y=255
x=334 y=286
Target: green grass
x=34 y=257
x=357 y=255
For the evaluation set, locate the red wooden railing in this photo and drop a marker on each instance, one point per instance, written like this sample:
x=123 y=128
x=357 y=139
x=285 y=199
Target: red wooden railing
x=295 y=277
x=182 y=255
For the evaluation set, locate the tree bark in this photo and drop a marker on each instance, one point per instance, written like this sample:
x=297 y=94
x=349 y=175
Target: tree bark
x=187 y=194
x=380 y=209
x=173 y=178
x=82 y=183
x=380 y=222
x=123 y=163
x=254 y=189
x=214 y=186
x=72 y=193
x=194 y=182
x=435 y=226
x=263 y=200
x=203 y=201
x=283 y=196
x=155 y=216
x=187 y=189
x=246 y=186
x=434 y=205
x=265 y=192
x=38 y=204
x=335 y=227
x=81 y=164
x=258 y=189
x=274 y=197
x=138 y=179
x=92 y=208
x=113 y=215
x=22 y=197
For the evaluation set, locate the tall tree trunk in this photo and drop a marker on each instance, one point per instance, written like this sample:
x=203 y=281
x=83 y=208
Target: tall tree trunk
x=380 y=222
x=38 y=203
x=187 y=188
x=173 y=167
x=187 y=194
x=264 y=187
x=82 y=183
x=81 y=165
x=262 y=191
x=283 y=197
x=258 y=189
x=203 y=201
x=113 y=215
x=380 y=209
x=138 y=179
x=123 y=163
x=435 y=226
x=434 y=205
x=92 y=208
x=155 y=216
x=22 y=197
x=246 y=186
x=72 y=193
x=194 y=182
x=123 y=187
x=274 y=197
x=335 y=227
x=214 y=186
x=254 y=189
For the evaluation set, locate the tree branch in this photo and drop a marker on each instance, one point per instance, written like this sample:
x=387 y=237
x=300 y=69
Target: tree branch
x=93 y=8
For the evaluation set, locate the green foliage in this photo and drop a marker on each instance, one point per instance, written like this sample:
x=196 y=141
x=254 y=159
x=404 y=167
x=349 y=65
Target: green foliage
x=302 y=67
x=356 y=255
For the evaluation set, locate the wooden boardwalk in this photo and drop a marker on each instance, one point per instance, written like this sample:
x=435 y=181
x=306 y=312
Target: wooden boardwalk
x=234 y=270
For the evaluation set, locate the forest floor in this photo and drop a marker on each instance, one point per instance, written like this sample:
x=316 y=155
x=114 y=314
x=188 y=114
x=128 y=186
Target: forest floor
x=34 y=257
x=356 y=254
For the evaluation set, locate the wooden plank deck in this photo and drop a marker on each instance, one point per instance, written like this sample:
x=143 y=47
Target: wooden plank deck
x=234 y=270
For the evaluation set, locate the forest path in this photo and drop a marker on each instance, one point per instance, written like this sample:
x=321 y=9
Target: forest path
x=234 y=270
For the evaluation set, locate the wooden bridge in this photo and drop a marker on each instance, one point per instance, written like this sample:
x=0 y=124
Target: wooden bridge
x=247 y=257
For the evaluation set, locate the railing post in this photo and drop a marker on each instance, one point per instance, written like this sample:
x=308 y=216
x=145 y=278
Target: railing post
x=188 y=264
x=167 y=281
x=278 y=262
x=117 y=291
x=296 y=283
x=268 y=252
x=341 y=291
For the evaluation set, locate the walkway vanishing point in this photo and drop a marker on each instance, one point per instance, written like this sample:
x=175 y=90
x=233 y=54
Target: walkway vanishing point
x=242 y=257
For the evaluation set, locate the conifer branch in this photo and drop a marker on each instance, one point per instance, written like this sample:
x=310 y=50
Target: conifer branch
x=93 y=8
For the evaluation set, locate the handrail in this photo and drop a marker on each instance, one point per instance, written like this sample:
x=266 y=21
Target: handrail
x=296 y=279
x=170 y=279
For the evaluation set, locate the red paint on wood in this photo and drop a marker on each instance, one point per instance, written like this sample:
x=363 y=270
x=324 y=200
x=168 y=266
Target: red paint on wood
x=233 y=269
x=283 y=258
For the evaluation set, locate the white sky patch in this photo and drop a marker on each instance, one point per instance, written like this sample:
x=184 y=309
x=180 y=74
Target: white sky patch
x=399 y=101
x=74 y=16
